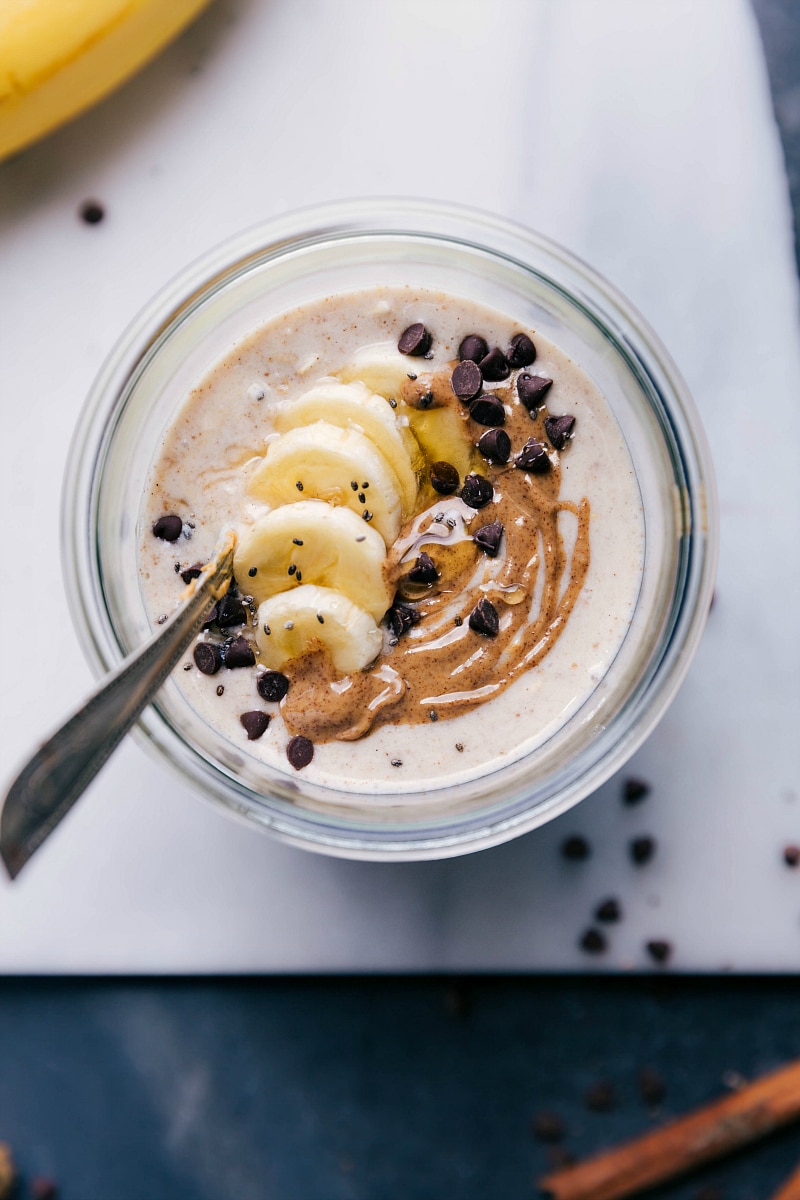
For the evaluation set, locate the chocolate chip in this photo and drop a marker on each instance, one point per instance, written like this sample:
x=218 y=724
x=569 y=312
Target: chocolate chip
x=575 y=848
x=600 y=1097
x=791 y=855
x=559 y=430
x=239 y=654
x=660 y=951
x=488 y=410
x=634 y=790
x=211 y=617
x=92 y=212
x=272 y=686
x=423 y=570
x=484 y=619
x=651 y=1086
x=547 y=1127
x=208 y=657
x=477 y=491
x=532 y=390
x=608 y=911
x=642 y=849
x=593 y=941
x=494 y=366
x=415 y=341
x=473 y=348
x=495 y=445
x=402 y=616
x=300 y=752
x=255 y=724
x=168 y=528
x=191 y=573
x=230 y=611
x=444 y=478
x=521 y=351
x=533 y=457
x=488 y=537
x=467 y=380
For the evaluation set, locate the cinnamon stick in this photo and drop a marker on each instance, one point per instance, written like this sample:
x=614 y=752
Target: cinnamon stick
x=708 y=1133
x=791 y=1189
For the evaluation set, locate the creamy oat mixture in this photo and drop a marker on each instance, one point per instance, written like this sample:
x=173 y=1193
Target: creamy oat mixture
x=508 y=597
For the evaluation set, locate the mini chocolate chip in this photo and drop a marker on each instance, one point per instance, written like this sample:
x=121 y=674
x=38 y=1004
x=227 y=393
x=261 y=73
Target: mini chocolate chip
x=415 y=341
x=488 y=410
x=547 y=1127
x=477 y=491
x=521 y=351
x=488 y=537
x=533 y=457
x=473 y=348
x=272 y=686
x=651 y=1086
x=211 y=617
x=532 y=390
x=239 y=654
x=424 y=570
x=495 y=445
x=642 y=849
x=791 y=855
x=467 y=380
x=230 y=611
x=255 y=724
x=300 y=752
x=494 y=366
x=559 y=430
x=168 y=528
x=600 y=1097
x=593 y=941
x=92 y=212
x=253 y=572
x=634 y=790
x=402 y=616
x=484 y=619
x=191 y=573
x=660 y=951
x=444 y=478
x=608 y=911
x=575 y=848
x=208 y=657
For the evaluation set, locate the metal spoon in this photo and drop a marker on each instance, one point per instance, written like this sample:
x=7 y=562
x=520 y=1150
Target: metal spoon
x=59 y=772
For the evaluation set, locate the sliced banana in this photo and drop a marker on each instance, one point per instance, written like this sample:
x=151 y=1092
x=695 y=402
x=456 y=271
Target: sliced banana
x=440 y=433
x=314 y=543
x=323 y=462
x=317 y=618
x=382 y=368
x=354 y=406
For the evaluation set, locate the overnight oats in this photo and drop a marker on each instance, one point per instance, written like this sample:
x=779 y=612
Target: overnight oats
x=440 y=539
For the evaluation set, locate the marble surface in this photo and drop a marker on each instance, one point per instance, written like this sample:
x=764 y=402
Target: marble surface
x=653 y=155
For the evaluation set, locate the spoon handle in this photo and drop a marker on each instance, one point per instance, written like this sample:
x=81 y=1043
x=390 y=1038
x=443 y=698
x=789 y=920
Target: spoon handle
x=59 y=772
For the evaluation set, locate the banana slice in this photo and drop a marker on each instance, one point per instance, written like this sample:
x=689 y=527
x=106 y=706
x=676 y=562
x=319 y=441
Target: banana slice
x=323 y=462
x=353 y=406
x=318 y=544
x=317 y=618
x=382 y=368
x=441 y=435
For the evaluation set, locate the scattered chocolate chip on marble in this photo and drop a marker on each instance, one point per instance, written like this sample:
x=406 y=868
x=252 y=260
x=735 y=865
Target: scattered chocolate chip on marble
x=414 y=341
x=532 y=390
x=600 y=1097
x=791 y=856
x=533 y=458
x=651 y=1086
x=300 y=752
x=634 y=790
x=642 y=849
x=208 y=657
x=467 y=380
x=609 y=911
x=494 y=366
x=488 y=410
x=402 y=616
x=547 y=1126
x=92 y=212
x=473 y=348
x=239 y=653
x=484 y=619
x=593 y=941
x=488 y=537
x=168 y=528
x=272 y=686
x=477 y=491
x=495 y=445
x=521 y=351
x=575 y=848
x=424 y=570
x=444 y=478
x=659 y=950
x=255 y=724
x=559 y=430
x=193 y=572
